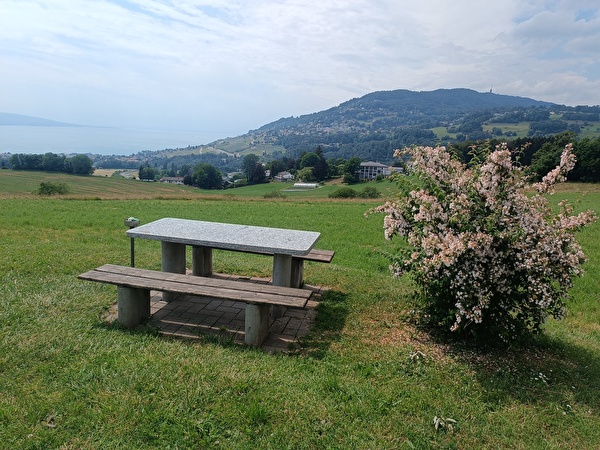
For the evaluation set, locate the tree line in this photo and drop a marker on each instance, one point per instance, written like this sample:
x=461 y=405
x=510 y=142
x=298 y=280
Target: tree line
x=254 y=169
x=51 y=162
x=539 y=155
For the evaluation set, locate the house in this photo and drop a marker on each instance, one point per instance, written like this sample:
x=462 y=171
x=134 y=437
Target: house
x=284 y=176
x=369 y=170
x=172 y=180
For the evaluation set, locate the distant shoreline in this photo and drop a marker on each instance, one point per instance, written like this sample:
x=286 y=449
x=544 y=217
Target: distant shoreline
x=95 y=140
x=31 y=121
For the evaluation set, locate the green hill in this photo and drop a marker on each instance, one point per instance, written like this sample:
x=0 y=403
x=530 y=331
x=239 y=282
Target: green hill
x=372 y=126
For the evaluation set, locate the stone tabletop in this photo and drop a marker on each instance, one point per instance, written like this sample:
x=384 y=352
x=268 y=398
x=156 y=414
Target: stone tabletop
x=228 y=236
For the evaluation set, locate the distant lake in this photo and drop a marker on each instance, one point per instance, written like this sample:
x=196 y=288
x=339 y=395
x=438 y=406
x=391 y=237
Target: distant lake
x=103 y=141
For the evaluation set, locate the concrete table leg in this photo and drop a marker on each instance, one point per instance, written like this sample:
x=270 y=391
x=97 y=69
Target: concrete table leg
x=133 y=305
x=257 y=324
x=282 y=276
x=202 y=261
x=297 y=278
x=173 y=260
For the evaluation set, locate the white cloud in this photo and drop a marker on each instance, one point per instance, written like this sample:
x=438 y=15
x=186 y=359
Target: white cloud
x=235 y=65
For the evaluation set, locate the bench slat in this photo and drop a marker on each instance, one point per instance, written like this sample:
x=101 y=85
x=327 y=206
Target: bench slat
x=204 y=281
x=201 y=286
x=324 y=256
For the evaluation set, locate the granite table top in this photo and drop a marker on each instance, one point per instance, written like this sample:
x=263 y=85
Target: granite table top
x=244 y=238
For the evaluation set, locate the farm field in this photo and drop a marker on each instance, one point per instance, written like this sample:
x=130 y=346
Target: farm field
x=588 y=130
x=521 y=129
x=366 y=376
x=591 y=130
x=24 y=184
x=129 y=173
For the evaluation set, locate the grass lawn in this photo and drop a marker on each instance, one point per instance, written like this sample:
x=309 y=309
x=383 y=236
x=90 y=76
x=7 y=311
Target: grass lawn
x=590 y=130
x=365 y=377
x=521 y=128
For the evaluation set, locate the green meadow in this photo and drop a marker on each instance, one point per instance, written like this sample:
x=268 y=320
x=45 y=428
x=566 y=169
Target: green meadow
x=365 y=377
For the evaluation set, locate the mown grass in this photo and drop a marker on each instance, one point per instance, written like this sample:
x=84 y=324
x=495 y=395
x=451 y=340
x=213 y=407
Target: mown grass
x=521 y=129
x=366 y=376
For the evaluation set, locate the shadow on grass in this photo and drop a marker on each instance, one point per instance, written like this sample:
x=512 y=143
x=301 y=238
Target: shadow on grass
x=114 y=325
x=332 y=312
x=549 y=372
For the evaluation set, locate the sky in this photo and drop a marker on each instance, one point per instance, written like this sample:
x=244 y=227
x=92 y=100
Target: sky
x=229 y=66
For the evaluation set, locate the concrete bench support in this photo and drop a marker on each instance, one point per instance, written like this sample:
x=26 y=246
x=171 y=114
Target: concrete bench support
x=256 y=326
x=133 y=305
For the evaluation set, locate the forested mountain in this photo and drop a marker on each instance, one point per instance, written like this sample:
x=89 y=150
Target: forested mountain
x=372 y=126
x=387 y=110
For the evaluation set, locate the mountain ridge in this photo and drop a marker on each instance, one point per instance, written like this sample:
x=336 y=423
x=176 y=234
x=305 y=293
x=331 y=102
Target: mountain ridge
x=403 y=101
x=32 y=121
x=372 y=126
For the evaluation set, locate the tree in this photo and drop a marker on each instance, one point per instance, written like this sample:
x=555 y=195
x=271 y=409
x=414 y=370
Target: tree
x=147 y=173
x=335 y=166
x=351 y=170
x=249 y=164
x=309 y=159
x=206 y=176
x=252 y=169
x=276 y=166
x=80 y=165
x=343 y=192
x=306 y=174
x=549 y=127
x=588 y=161
x=52 y=162
x=548 y=156
x=321 y=168
x=186 y=169
x=26 y=162
x=317 y=162
x=259 y=175
x=51 y=188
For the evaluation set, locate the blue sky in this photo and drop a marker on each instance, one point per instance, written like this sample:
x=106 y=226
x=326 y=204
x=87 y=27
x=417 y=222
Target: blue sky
x=228 y=66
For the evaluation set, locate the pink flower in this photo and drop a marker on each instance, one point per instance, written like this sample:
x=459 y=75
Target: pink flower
x=497 y=252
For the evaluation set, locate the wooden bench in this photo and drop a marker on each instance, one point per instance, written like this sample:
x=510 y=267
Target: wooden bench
x=316 y=255
x=134 y=286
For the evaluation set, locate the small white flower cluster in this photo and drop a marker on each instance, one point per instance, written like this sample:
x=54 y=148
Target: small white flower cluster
x=482 y=247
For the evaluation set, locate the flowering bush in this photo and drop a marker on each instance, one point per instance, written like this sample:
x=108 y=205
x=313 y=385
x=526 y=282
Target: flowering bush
x=488 y=253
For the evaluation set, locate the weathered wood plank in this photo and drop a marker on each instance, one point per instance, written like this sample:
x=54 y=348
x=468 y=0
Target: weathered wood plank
x=205 y=281
x=317 y=255
x=201 y=286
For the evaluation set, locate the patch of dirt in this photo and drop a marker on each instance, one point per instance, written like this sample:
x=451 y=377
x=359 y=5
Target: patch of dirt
x=111 y=314
x=402 y=334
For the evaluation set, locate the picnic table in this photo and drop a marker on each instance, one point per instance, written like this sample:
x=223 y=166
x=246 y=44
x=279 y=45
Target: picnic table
x=288 y=248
